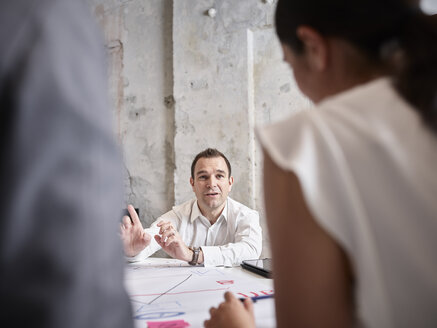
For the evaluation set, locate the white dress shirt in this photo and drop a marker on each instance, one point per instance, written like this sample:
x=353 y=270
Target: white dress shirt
x=234 y=237
x=367 y=167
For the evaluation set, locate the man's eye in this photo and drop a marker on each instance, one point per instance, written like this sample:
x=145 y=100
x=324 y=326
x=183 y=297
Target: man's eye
x=220 y=176
x=202 y=177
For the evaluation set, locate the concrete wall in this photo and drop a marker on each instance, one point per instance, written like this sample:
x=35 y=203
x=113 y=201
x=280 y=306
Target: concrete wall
x=183 y=80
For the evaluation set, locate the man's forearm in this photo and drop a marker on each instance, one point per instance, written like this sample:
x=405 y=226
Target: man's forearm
x=231 y=254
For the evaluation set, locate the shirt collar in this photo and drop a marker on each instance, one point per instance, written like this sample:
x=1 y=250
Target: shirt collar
x=195 y=212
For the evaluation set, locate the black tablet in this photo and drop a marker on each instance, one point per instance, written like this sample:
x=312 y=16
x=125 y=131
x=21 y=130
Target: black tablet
x=262 y=267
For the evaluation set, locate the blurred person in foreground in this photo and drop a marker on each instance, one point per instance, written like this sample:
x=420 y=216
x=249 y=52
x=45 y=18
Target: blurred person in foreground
x=351 y=185
x=61 y=262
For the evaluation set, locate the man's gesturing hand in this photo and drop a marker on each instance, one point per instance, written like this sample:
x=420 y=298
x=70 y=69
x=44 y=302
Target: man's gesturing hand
x=134 y=238
x=171 y=242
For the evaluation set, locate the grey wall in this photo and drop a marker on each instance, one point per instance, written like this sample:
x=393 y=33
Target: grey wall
x=182 y=80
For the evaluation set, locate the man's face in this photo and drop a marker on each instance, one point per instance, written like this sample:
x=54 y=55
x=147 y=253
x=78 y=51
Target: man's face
x=211 y=183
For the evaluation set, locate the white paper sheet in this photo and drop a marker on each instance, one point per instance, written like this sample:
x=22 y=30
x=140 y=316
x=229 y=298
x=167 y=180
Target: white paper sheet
x=163 y=290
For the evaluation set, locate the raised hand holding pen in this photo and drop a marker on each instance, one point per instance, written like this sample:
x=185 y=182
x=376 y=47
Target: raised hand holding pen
x=134 y=238
x=232 y=313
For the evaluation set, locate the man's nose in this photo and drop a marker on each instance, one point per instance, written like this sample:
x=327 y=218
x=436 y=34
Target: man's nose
x=212 y=182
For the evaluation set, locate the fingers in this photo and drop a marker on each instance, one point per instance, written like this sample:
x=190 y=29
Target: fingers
x=158 y=239
x=229 y=297
x=126 y=222
x=169 y=233
x=170 y=240
x=212 y=311
x=161 y=242
x=146 y=238
x=123 y=231
x=164 y=226
x=248 y=305
x=231 y=312
x=133 y=215
x=210 y=323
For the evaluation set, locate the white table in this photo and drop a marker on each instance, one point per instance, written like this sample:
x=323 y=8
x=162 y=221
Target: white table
x=170 y=293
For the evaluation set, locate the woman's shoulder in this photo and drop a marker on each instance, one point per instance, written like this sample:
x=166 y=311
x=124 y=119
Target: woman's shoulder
x=297 y=133
x=361 y=114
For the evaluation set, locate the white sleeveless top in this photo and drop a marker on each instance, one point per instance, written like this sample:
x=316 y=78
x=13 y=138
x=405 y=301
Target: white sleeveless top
x=368 y=170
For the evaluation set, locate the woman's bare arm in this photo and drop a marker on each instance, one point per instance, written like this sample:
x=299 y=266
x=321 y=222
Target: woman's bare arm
x=312 y=276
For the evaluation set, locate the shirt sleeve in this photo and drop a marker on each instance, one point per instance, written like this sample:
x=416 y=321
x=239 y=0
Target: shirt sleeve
x=247 y=245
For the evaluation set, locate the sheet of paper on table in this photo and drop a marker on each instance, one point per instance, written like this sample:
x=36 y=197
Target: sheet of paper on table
x=171 y=293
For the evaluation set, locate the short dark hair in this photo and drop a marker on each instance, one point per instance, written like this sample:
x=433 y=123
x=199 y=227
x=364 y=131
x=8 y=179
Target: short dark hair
x=209 y=153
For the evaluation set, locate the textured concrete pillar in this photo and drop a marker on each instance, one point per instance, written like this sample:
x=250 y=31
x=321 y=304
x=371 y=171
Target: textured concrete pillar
x=186 y=75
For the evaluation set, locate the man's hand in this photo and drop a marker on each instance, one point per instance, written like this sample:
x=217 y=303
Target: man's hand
x=232 y=313
x=171 y=242
x=134 y=238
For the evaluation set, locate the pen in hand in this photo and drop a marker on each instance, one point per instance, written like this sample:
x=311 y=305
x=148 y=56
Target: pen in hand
x=256 y=298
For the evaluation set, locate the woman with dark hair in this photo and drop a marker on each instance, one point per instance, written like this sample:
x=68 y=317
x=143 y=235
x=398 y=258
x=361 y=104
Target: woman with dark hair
x=351 y=186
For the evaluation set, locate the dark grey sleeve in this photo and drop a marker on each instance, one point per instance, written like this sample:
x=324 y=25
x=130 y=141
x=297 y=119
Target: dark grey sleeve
x=61 y=261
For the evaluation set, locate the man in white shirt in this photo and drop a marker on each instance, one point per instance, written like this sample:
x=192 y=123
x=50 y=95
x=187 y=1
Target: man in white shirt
x=218 y=229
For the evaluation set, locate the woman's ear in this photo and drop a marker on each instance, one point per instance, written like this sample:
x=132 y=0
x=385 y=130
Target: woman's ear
x=315 y=47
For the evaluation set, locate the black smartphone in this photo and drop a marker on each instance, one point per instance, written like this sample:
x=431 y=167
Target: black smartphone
x=262 y=267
